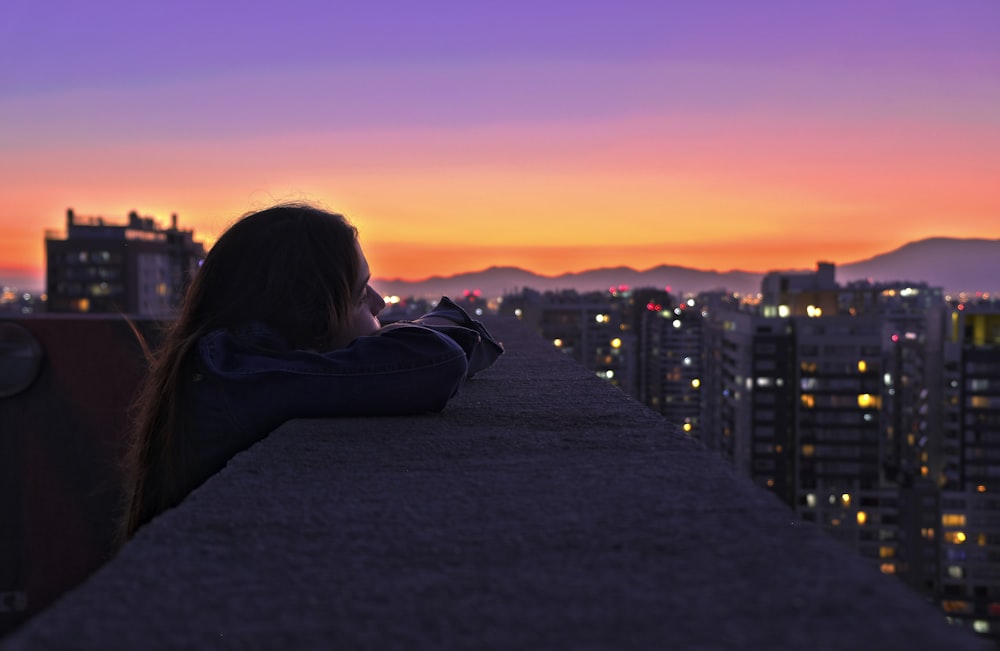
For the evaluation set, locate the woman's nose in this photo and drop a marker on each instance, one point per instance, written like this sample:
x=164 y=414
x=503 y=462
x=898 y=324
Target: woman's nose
x=376 y=302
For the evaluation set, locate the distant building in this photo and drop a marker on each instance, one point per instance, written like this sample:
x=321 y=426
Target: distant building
x=871 y=409
x=135 y=268
x=667 y=355
x=969 y=533
x=592 y=328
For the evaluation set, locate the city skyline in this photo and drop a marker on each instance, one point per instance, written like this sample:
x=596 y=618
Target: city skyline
x=555 y=138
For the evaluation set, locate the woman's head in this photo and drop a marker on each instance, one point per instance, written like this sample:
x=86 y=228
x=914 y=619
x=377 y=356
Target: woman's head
x=295 y=268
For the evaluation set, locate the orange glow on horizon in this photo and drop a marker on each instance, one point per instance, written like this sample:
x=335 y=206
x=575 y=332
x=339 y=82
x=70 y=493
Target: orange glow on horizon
x=549 y=198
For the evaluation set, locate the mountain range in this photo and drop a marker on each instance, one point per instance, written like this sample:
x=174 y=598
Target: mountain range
x=955 y=265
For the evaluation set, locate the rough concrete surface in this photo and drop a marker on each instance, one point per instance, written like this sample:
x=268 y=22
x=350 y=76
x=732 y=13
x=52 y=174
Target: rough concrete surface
x=543 y=509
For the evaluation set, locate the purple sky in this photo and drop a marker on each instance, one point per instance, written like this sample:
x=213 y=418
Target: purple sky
x=784 y=109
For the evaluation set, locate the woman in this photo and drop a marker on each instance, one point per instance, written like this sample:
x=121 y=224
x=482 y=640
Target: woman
x=279 y=323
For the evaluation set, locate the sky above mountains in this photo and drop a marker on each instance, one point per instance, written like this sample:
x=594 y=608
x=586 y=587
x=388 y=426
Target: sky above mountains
x=553 y=136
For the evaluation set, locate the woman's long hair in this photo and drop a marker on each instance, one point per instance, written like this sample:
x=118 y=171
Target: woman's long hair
x=291 y=267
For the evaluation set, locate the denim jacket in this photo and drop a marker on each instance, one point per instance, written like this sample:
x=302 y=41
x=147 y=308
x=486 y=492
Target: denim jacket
x=249 y=381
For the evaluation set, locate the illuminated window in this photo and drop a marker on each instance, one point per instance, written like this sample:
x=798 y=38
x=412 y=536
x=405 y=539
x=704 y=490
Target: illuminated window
x=956 y=606
x=557 y=343
x=808 y=450
x=954 y=537
x=868 y=401
x=616 y=343
x=862 y=517
x=696 y=383
x=846 y=499
x=862 y=366
x=953 y=519
x=886 y=552
x=808 y=400
x=887 y=568
x=956 y=572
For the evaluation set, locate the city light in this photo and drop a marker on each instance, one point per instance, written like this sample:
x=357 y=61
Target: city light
x=794 y=403
x=867 y=401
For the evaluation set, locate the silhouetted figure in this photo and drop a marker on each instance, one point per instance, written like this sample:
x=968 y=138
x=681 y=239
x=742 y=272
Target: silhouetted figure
x=280 y=322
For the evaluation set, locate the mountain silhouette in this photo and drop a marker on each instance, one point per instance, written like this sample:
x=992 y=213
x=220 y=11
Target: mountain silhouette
x=956 y=265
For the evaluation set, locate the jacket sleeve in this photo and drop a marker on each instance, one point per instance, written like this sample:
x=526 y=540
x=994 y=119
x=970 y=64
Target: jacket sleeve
x=407 y=370
x=481 y=348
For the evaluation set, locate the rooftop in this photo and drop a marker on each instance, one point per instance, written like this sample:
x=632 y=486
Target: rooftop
x=542 y=509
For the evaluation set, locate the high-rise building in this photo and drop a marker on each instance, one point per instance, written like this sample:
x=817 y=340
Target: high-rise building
x=871 y=409
x=668 y=355
x=830 y=397
x=591 y=328
x=135 y=268
x=970 y=502
x=748 y=404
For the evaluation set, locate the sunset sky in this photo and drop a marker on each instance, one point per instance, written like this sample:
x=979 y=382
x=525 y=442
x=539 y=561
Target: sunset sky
x=555 y=136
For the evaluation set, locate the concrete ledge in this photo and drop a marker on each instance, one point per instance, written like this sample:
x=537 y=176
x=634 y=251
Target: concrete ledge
x=542 y=509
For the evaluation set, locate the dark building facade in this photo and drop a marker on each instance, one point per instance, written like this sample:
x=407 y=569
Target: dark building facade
x=871 y=409
x=136 y=268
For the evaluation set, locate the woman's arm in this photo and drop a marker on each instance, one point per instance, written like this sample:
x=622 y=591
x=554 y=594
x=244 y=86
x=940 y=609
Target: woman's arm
x=448 y=318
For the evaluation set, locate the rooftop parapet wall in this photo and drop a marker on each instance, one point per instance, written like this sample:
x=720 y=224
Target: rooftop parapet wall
x=542 y=509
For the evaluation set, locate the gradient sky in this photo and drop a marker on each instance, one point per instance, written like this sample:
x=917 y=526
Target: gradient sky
x=555 y=136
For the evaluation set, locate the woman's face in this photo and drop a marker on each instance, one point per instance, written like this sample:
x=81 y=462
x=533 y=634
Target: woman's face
x=366 y=303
